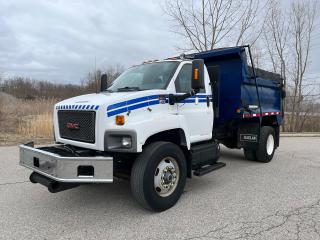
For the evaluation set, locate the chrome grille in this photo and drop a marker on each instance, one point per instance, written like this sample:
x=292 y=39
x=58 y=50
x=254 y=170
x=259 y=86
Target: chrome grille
x=77 y=125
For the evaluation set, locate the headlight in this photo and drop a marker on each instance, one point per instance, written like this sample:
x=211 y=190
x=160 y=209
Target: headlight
x=120 y=141
x=126 y=142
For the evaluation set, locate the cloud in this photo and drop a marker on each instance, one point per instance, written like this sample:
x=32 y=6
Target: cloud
x=60 y=40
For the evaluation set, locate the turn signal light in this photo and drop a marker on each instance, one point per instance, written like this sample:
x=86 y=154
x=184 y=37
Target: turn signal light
x=120 y=120
x=196 y=74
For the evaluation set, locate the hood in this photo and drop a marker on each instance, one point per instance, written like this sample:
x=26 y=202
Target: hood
x=96 y=100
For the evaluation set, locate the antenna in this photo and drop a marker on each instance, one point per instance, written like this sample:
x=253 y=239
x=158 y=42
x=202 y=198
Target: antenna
x=95 y=73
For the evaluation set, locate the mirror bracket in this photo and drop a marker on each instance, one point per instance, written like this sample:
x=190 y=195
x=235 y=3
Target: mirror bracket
x=174 y=98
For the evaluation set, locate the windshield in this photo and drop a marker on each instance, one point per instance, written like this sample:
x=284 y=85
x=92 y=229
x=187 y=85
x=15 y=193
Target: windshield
x=144 y=77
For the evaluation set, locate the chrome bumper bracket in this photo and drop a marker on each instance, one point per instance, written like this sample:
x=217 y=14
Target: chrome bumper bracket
x=67 y=169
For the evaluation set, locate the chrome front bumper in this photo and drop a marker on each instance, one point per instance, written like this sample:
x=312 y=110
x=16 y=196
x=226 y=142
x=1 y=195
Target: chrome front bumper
x=66 y=169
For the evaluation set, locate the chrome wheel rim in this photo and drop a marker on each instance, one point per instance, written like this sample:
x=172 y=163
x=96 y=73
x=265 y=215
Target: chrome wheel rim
x=166 y=176
x=270 y=144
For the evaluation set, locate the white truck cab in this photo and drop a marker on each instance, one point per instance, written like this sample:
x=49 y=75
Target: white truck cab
x=145 y=111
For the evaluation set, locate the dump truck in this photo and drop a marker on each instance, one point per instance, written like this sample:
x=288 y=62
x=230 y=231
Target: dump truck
x=160 y=123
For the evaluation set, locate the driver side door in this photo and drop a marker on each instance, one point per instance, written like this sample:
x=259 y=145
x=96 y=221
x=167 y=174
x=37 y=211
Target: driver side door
x=196 y=111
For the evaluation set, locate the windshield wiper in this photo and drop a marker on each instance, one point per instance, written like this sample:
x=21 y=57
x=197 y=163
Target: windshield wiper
x=124 y=89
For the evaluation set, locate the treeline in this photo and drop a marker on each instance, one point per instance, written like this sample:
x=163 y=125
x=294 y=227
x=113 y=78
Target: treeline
x=27 y=88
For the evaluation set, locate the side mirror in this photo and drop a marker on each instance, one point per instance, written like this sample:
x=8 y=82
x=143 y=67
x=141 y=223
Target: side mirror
x=103 y=82
x=197 y=82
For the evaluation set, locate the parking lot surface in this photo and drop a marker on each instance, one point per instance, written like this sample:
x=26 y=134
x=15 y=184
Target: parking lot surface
x=244 y=200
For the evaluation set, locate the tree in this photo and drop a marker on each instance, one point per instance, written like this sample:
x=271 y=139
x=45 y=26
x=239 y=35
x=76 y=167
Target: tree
x=208 y=24
x=276 y=34
x=287 y=36
x=302 y=16
x=92 y=82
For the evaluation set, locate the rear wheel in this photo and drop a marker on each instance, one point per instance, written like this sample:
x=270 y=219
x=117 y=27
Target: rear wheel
x=264 y=152
x=158 y=176
x=266 y=147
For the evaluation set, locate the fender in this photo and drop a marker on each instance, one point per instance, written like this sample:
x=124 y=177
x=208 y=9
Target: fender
x=146 y=128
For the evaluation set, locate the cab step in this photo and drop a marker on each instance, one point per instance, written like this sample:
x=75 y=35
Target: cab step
x=207 y=169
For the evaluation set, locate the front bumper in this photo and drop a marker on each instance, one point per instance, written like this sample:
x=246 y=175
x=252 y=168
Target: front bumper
x=96 y=169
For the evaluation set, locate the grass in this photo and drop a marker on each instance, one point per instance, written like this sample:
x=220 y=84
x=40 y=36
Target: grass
x=25 y=120
x=36 y=126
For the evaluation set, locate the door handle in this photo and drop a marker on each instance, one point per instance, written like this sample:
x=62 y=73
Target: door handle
x=208 y=101
x=196 y=100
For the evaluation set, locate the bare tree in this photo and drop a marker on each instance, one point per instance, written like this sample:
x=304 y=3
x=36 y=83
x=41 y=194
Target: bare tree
x=302 y=16
x=276 y=33
x=92 y=82
x=207 y=24
x=287 y=36
x=276 y=36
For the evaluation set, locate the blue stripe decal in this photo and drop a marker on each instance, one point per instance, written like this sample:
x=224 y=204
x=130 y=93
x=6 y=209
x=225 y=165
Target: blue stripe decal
x=154 y=102
x=118 y=111
x=153 y=97
x=122 y=107
x=188 y=100
x=132 y=101
x=136 y=100
x=133 y=107
x=117 y=105
x=139 y=105
x=199 y=96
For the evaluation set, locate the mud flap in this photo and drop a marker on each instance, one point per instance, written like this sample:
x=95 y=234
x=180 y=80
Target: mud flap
x=249 y=135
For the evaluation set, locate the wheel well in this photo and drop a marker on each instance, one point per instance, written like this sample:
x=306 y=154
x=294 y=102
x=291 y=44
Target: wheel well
x=123 y=162
x=176 y=136
x=270 y=121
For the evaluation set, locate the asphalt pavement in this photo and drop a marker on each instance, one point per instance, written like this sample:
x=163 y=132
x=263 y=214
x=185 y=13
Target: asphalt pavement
x=244 y=200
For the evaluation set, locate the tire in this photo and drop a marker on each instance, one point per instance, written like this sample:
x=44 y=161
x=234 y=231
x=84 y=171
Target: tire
x=250 y=154
x=145 y=176
x=266 y=148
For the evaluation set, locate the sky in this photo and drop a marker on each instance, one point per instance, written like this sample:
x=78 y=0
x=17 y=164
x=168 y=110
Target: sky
x=62 y=41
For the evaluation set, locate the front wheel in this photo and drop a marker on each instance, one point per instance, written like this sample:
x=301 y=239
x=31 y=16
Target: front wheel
x=158 y=176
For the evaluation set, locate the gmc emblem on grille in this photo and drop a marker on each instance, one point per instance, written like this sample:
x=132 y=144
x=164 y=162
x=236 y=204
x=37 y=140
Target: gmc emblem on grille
x=73 y=126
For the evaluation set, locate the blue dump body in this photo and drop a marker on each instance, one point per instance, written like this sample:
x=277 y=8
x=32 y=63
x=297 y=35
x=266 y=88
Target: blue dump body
x=236 y=87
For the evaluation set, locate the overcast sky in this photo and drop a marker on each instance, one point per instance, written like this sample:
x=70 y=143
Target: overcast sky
x=60 y=40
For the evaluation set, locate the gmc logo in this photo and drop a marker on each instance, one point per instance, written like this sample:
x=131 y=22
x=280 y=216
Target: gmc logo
x=73 y=126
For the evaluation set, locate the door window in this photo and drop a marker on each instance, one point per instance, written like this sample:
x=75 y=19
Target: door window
x=183 y=81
